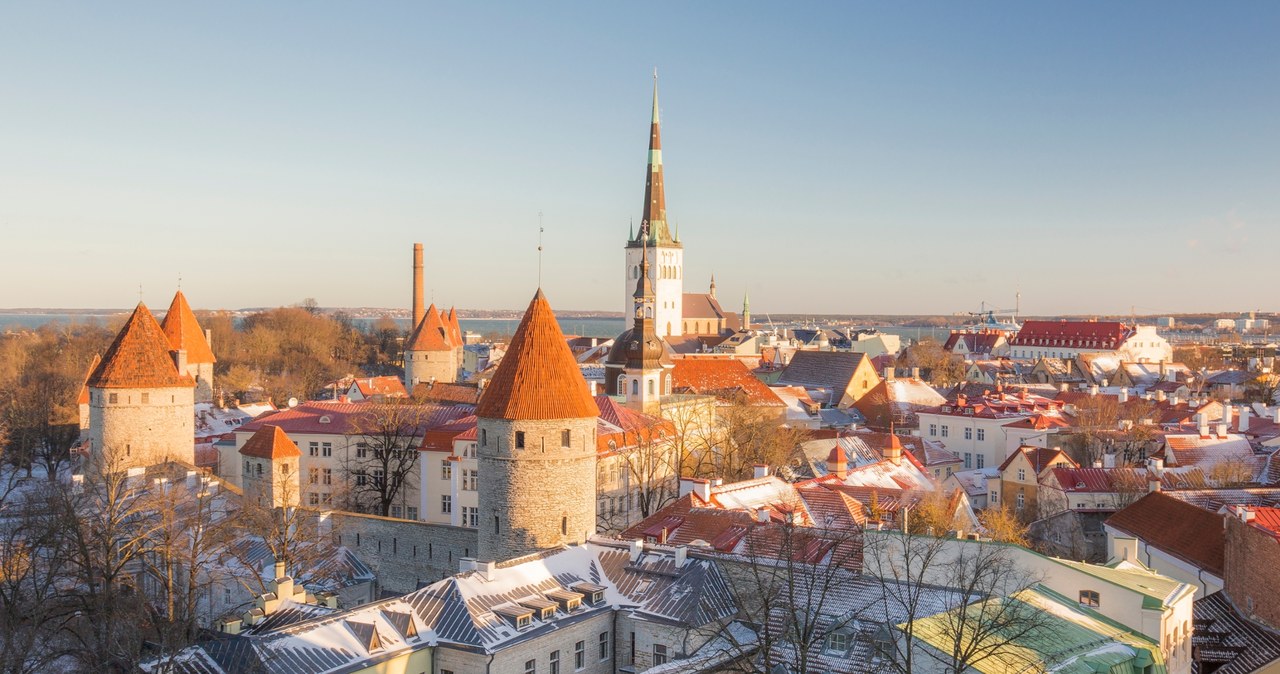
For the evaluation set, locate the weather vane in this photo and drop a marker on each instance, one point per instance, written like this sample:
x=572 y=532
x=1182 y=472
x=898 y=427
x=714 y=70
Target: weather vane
x=540 y=230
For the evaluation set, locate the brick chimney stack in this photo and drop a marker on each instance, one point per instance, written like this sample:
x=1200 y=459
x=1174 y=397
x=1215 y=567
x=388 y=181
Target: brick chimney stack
x=419 y=309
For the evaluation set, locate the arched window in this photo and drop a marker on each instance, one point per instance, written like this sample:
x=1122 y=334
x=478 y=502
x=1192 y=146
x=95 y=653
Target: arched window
x=484 y=437
x=635 y=387
x=650 y=387
x=622 y=384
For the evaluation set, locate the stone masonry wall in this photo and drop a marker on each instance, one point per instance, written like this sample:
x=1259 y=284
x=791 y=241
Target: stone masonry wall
x=404 y=554
x=543 y=495
x=138 y=433
x=422 y=366
x=1252 y=572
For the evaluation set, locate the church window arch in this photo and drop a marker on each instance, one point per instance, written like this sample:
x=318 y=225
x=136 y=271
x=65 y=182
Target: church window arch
x=650 y=386
x=622 y=383
x=635 y=387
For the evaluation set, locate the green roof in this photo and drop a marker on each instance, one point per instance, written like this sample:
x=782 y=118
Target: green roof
x=1071 y=640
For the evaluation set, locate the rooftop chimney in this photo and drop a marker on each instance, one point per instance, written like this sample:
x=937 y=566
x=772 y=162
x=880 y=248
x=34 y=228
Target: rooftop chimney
x=888 y=374
x=1222 y=430
x=759 y=470
x=1124 y=396
x=419 y=309
x=1227 y=409
x=915 y=373
x=1243 y=424
x=637 y=549
x=1203 y=422
x=682 y=556
x=696 y=486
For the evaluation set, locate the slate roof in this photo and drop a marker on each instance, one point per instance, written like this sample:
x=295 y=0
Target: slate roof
x=832 y=370
x=1185 y=531
x=723 y=378
x=462 y=611
x=184 y=332
x=269 y=442
x=139 y=357
x=1226 y=641
x=538 y=378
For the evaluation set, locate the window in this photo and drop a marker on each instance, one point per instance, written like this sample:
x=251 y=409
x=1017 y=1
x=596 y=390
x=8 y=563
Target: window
x=313 y=476
x=933 y=429
x=982 y=460
x=314 y=498
x=226 y=595
x=446 y=470
x=1022 y=500
x=530 y=667
x=328 y=475
x=470 y=517
x=257 y=468
x=412 y=512
x=604 y=645
x=635 y=387
x=659 y=654
x=993 y=498
x=1089 y=598
x=246 y=467
x=579 y=655
x=519 y=439
x=945 y=428
x=326 y=449
x=838 y=642
x=284 y=469
x=968 y=460
x=470 y=479
x=314 y=448
x=1022 y=474
x=446 y=504
x=361 y=479
x=982 y=434
x=395 y=511
x=484 y=437
x=650 y=387
x=553 y=662
x=968 y=434
x=146 y=398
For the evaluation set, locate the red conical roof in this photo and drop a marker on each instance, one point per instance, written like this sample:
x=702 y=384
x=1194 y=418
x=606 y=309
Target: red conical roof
x=838 y=456
x=455 y=328
x=184 y=332
x=538 y=377
x=269 y=442
x=431 y=334
x=139 y=357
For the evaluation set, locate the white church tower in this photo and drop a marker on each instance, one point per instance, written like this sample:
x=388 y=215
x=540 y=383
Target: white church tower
x=666 y=254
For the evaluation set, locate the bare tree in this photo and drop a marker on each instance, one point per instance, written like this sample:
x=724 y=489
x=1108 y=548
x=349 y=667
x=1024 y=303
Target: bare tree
x=386 y=454
x=743 y=435
x=974 y=621
x=296 y=536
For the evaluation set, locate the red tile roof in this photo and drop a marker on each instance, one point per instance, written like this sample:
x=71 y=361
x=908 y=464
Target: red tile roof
x=184 y=332
x=443 y=392
x=1073 y=334
x=270 y=442
x=723 y=378
x=431 y=334
x=139 y=357
x=1267 y=518
x=349 y=418
x=455 y=328
x=83 y=398
x=1181 y=529
x=538 y=378
x=383 y=386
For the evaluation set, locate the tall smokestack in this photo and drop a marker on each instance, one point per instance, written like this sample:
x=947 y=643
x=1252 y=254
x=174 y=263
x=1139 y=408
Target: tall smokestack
x=419 y=309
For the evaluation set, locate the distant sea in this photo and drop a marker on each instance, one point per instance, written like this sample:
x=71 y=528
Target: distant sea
x=587 y=327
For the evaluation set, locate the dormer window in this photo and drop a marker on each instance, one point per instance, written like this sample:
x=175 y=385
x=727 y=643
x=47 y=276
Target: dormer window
x=1089 y=598
x=593 y=594
x=838 y=643
x=325 y=419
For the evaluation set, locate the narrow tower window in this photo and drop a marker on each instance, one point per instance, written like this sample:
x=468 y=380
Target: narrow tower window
x=495 y=524
x=564 y=438
x=564 y=526
x=519 y=439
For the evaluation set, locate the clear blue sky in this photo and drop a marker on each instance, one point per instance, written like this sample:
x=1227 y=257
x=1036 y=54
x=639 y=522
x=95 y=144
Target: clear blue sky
x=840 y=158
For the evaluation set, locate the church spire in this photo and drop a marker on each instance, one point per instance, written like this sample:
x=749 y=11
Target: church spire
x=653 y=225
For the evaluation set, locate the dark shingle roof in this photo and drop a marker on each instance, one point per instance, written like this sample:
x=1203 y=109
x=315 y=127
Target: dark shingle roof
x=1192 y=534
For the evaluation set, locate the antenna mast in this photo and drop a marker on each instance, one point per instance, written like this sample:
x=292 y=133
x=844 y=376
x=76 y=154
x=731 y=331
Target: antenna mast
x=539 y=249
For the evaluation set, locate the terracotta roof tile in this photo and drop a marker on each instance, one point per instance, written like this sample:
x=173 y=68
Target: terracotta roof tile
x=431 y=334
x=184 y=332
x=139 y=357
x=384 y=386
x=83 y=398
x=1074 y=334
x=1188 y=532
x=721 y=378
x=538 y=378
x=270 y=442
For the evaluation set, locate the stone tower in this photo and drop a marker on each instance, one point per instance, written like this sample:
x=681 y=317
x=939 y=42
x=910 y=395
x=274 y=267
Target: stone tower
x=184 y=334
x=537 y=445
x=271 y=468
x=639 y=364
x=666 y=252
x=141 y=400
x=430 y=354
